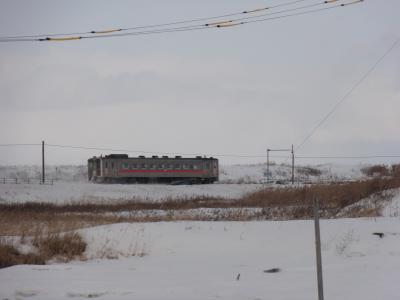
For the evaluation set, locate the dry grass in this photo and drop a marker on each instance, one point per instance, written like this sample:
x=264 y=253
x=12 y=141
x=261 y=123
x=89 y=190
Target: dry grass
x=274 y=203
x=44 y=225
x=334 y=196
x=60 y=247
x=376 y=170
x=10 y=256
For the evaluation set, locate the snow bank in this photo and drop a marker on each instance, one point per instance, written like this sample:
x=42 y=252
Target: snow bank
x=202 y=260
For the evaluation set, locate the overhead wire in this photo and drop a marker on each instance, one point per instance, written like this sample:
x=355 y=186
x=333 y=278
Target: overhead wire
x=218 y=24
x=348 y=93
x=157 y=25
x=201 y=154
x=16 y=145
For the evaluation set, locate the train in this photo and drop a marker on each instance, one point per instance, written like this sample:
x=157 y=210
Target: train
x=120 y=168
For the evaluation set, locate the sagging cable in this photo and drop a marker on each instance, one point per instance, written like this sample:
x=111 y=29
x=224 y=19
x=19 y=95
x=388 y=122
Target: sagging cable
x=69 y=38
x=105 y=31
x=218 y=23
x=353 y=2
x=254 y=10
x=229 y=25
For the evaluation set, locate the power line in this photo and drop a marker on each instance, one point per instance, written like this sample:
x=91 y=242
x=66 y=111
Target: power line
x=194 y=154
x=16 y=145
x=347 y=95
x=348 y=157
x=220 y=24
x=159 y=24
x=166 y=24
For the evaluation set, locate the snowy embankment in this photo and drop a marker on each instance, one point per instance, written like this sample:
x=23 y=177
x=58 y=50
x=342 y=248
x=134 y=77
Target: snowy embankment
x=203 y=260
x=235 y=181
x=66 y=192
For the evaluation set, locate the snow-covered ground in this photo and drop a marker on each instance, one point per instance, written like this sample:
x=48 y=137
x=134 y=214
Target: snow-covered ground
x=64 y=192
x=203 y=260
x=235 y=181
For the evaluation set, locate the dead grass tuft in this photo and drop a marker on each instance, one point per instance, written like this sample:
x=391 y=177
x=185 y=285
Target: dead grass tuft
x=60 y=246
x=10 y=256
x=376 y=170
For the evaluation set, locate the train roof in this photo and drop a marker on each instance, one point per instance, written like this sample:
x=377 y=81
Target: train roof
x=125 y=156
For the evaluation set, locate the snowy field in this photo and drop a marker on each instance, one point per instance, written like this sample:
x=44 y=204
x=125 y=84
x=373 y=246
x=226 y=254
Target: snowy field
x=65 y=192
x=203 y=260
x=235 y=181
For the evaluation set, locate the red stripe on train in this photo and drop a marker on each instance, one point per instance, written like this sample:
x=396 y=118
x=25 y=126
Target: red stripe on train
x=162 y=171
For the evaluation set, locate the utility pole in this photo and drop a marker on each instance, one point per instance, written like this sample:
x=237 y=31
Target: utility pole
x=281 y=150
x=268 y=164
x=43 y=175
x=318 y=250
x=292 y=165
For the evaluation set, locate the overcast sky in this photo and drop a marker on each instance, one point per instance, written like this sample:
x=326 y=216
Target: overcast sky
x=235 y=90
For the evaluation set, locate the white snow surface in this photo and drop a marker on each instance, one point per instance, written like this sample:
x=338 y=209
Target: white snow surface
x=202 y=260
x=392 y=209
x=67 y=192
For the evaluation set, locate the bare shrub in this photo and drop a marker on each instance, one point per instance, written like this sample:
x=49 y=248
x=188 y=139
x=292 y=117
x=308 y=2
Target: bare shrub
x=62 y=246
x=395 y=171
x=308 y=171
x=376 y=170
x=10 y=256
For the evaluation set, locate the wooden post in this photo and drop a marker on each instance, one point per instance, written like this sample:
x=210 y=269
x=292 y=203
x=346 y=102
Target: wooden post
x=318 y=250
x=43 y=175
x=268 y=164
x=292 y=165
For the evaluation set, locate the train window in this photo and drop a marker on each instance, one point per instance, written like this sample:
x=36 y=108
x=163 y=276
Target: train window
x=196 y=167
x=191 y=166
x=207 y=166
x=143 y=166
x=125 y=166
x=168 y=166
x=184 y=166
x=133 y=166
x=177 y=166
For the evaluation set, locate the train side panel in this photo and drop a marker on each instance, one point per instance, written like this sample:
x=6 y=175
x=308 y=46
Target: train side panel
x=154 y=169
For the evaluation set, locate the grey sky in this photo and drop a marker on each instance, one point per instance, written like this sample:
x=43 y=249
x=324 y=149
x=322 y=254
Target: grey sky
x=234 y=90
